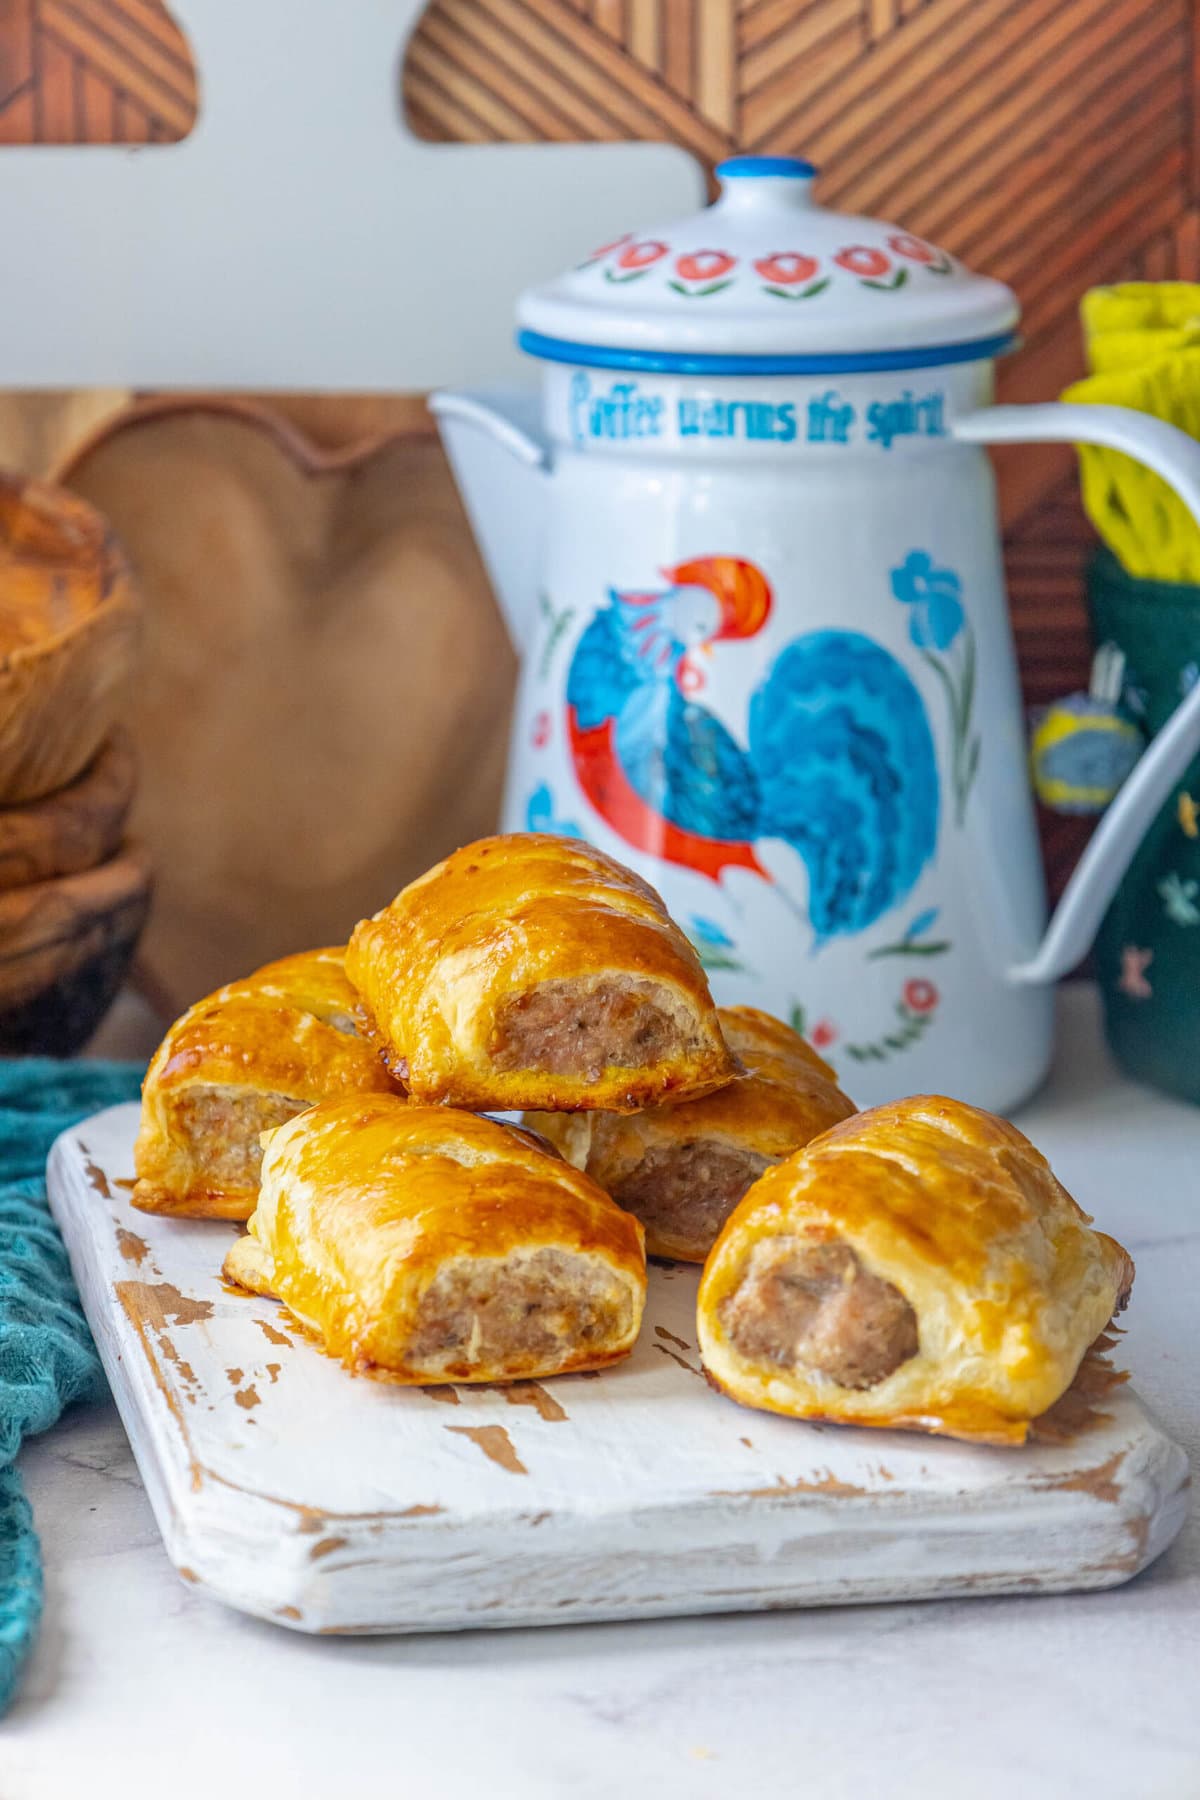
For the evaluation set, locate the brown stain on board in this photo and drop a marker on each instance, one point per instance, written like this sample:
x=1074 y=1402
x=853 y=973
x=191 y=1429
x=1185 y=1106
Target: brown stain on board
x=160 y=1302
x=1100 y=1482
x=662 y=1332
x=532 y=1393
x=184 y=1368
x=272 y=1335
x=676 y=1358
x=288 y=1612
x=187 y=1574
x=133 y=1248
x=829 y=1484
x=125 y=1181
x=447 y=1395
x=247 y=1397
x=417 y=1512
x=495 y=1443
x=235 y=1377
x=95 y=1174
x=131 y=1296
x=326 y=1547
x=273 y=1372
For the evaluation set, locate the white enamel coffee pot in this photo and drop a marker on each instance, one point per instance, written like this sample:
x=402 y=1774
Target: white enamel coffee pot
x=747 y=544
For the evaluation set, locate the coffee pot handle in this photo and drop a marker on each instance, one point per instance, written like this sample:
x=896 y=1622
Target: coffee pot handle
x=1176 y=457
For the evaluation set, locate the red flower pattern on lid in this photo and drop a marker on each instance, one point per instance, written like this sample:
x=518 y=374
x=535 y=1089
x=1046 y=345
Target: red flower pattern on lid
x=704 y=265
x=641 y=255
x=861 y=259
x=904 y=244
x=606 y=249
x=784 y=267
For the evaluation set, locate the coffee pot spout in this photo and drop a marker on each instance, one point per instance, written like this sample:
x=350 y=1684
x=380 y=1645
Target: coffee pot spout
x=500 y=461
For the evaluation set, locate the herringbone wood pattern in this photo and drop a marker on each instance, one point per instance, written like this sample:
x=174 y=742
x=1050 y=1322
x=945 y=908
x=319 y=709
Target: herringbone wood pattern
x=1054 y=143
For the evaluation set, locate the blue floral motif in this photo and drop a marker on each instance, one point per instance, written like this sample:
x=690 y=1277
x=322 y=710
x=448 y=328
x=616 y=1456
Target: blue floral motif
x=711 y=932
x=922 y=923
x=539 y=814
x=937 y=614
x=713 y=945
x=938 y=626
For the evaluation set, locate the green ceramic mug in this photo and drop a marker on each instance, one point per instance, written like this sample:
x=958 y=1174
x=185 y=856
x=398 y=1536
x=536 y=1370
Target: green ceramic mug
x=1148 y=949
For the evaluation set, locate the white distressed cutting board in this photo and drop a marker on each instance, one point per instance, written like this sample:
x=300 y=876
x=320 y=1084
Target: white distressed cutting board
x=334 y=1504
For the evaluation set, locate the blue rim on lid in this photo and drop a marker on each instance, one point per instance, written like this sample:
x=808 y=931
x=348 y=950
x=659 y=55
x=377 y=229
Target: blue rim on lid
x=679 y=362
x=735 y=166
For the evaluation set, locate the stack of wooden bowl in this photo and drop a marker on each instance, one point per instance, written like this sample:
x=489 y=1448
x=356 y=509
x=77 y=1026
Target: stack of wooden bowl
x=73 y=891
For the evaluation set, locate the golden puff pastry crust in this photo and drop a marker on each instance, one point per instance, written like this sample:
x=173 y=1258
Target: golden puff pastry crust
x=682 y=1168
x=240 y=1062
x=534 y=971
x=440 y=1246
x=917 y=1266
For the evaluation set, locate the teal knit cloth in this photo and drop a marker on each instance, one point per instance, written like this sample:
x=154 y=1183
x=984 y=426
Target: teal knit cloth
x=47 y=1359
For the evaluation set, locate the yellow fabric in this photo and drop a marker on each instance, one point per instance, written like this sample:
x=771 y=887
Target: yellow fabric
x=1143 y=348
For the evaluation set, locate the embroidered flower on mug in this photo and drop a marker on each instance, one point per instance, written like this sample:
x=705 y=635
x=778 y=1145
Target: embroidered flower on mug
x=1132 y=979
x=1179 y=899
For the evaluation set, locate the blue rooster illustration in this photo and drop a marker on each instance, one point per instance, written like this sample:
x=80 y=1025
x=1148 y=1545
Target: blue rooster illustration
x=838 y=760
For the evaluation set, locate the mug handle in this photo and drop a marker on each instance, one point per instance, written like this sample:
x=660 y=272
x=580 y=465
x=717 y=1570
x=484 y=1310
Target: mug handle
x=1175 y=456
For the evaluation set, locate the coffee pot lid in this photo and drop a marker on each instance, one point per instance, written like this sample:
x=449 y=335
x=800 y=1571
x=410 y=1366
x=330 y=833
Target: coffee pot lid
x=767 y=281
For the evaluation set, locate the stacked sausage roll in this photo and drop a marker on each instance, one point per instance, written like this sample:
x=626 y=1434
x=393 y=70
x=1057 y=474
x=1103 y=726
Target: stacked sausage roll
x=914 y=1266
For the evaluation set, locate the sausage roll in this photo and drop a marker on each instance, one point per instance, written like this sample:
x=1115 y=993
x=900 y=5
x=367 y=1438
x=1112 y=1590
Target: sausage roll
x=918 y=1266
x=535 y=971
x=245 y=1059
x=683 y=1168
x=440 y=1246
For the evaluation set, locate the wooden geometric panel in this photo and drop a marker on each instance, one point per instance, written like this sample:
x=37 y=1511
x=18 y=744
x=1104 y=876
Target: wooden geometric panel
x=93 y=72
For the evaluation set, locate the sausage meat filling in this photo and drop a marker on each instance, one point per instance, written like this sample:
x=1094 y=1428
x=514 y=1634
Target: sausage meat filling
x=685 y=1192
x=809 y=1305
x=563 y=1028
x=221 y=1126
x=546 y=1306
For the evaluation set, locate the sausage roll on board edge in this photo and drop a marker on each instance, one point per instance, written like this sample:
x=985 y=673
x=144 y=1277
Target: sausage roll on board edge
x=440 y=1246
x=534 y=971
x=917 y=1266
x=245 y=1059
x=683 y=1168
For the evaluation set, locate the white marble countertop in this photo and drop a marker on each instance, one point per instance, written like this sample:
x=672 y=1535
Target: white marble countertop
x=139 y=1680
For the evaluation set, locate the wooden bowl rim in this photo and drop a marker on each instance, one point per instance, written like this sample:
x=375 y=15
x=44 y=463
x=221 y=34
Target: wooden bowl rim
x=117 y=747
x=304 y=452
x=131 y=855
x=117 y=591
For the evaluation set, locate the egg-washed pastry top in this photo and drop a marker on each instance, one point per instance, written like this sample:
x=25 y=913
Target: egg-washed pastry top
x=534 y=971
x=237 y=1063
x=441 y=1246
x=682 y=1167
x=918 y=1265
